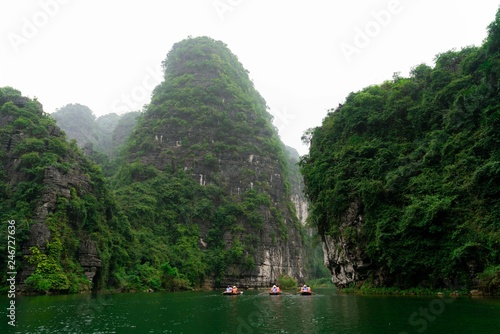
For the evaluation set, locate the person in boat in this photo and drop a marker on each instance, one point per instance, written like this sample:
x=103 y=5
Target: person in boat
x=274 y=289
x=234 y=290
x=305 y=288
x=229 y=289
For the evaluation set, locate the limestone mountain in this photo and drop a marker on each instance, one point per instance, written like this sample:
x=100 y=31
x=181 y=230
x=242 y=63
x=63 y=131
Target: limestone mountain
x=203 y=190
x=206 y=175
x=65 y=220
x=404 y=177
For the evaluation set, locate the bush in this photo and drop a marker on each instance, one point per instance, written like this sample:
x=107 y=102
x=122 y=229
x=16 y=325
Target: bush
x=325 y=282
x=490 y=280
x=171 y=280
x=286 y=282
x=37 y=283
x=48 y=275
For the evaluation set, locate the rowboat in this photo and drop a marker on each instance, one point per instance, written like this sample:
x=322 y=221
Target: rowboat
x=226 y=293
x=276 y=293
x=306 y=293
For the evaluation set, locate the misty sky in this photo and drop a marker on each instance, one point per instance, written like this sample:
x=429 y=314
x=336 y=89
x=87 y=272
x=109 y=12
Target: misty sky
x=303 y=57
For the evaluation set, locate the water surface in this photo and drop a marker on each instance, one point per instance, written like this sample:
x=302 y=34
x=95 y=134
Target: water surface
x=253 y=312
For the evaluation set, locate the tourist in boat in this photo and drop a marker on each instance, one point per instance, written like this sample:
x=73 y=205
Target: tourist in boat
x=275 y=290
x=229 y=289
x=305 y=289
x=234 y=290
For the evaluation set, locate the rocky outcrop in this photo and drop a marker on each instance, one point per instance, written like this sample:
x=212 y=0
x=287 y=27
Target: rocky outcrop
x=57 y=184
x=39 y=236
x=41 y=176
x=343 y=253
x=89 y=258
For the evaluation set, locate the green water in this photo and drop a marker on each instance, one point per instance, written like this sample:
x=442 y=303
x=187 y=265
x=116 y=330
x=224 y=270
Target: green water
x=252 y=312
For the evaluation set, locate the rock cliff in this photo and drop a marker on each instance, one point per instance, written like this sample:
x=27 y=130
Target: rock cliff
x=344 y=254
x=207 y=120
x=298 y=196
x=52 y=192
x=403 y=177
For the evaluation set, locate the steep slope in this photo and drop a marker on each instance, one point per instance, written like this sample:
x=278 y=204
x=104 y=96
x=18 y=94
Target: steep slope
x=121 y=130
x=297 y=185
x=63 y=214
x=207 y=174
x=404 y=177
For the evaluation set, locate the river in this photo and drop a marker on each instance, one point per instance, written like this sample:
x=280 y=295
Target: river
x=253 y=312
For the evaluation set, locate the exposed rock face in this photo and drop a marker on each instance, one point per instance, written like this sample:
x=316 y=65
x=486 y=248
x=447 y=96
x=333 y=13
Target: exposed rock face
x=272 y=261
x=298 y=196
x=301 y=205
x=343 y=256
x=58 y=184
x=39 y=236
x=89 y=258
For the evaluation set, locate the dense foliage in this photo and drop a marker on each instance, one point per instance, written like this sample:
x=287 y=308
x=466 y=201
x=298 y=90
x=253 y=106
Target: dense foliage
x=163 y=211
x=180 y=222
x=31 y=147
x=422 y=156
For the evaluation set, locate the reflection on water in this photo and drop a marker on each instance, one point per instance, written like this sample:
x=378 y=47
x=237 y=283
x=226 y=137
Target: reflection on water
x=252 y=312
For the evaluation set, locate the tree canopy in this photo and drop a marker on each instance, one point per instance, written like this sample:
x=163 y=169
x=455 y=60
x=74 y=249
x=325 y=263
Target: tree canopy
x=422 y=156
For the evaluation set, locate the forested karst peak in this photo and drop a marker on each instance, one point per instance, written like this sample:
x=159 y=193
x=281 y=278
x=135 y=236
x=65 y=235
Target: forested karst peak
x=205 y=149
x=403 y=178
x=65 y=217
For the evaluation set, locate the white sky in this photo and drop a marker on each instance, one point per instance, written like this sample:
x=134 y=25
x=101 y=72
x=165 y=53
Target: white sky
x=304 y=57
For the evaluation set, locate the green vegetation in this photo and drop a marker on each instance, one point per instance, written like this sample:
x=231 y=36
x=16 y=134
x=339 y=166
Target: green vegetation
x=490 y=280
x=422 y=157
x=39 y=170
x=204 y=117
x=176 y=205
x=367 y=289
x=325 y=282
x=286 y=282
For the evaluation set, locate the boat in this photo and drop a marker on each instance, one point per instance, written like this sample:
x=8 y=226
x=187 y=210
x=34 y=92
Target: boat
x=226 y=293
x=275 y=293
x=232 y=291
x=305 y=290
